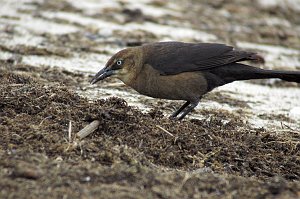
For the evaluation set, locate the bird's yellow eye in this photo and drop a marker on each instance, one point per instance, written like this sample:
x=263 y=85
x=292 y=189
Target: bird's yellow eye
x=119 y=62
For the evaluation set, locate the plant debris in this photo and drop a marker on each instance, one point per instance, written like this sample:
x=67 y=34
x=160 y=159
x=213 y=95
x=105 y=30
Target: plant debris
x=131 y=149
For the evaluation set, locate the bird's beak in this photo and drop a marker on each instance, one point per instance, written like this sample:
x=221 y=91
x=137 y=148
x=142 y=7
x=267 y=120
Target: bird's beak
x=102 y=74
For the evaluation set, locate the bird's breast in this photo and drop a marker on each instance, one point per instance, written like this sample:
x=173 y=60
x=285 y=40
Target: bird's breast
x=184 y=86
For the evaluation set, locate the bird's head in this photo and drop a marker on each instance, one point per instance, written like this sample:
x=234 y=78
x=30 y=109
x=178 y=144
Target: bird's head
x=123 y=65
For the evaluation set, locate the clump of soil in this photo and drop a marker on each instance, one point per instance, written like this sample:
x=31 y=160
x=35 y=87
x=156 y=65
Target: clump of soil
x=132 y=154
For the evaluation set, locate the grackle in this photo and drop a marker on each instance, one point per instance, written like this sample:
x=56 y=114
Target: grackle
x=185 y=71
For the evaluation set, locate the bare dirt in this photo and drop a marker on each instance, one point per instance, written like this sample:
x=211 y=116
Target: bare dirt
x=136 y=153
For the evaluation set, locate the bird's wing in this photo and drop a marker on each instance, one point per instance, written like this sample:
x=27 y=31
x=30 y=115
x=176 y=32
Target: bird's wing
x=177 y=57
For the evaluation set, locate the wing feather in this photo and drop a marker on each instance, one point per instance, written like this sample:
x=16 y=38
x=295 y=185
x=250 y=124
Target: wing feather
x=177 y=57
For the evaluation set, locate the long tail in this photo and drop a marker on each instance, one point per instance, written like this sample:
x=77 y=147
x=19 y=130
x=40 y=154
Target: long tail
x=290 y=76
x=236 y=71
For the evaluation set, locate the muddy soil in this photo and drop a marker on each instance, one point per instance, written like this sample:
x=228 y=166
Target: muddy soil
x=49 y=51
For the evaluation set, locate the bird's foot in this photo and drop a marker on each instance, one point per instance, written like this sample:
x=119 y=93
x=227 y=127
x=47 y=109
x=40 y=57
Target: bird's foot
x=175 y=118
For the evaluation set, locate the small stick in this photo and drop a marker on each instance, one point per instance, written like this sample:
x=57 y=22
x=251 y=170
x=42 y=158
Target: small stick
x=288 y=131
x=164 y=130
x=90 y=128
x=70 y=131
x=14 y=85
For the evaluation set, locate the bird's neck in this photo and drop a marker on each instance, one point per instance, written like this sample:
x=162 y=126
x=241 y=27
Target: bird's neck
x=145 y=80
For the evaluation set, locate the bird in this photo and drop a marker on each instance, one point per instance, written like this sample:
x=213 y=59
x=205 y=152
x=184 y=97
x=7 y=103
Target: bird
x=185 y=71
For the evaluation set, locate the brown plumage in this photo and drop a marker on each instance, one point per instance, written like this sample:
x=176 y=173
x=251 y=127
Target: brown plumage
x=184 y=71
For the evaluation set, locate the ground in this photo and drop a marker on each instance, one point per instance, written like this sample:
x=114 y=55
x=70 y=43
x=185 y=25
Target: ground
x=239 y=143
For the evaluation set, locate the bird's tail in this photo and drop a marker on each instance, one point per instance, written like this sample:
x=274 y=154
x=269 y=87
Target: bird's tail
x=237 y=71
x=290 y=76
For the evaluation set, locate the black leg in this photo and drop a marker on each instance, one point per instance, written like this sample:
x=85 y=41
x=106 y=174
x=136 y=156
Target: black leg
x=179 y=110
x=188 y=109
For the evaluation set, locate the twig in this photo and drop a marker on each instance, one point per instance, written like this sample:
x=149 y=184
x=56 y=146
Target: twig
x=164 y=130
x=141 y=143
x=45 y=119
x=285 y=142
x=288 y=131
x=14 y=85
x=90 y=128
x=70 y=131
x=287 y=126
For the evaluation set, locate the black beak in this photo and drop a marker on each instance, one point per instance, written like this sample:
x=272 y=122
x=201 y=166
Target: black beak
x=102 y=74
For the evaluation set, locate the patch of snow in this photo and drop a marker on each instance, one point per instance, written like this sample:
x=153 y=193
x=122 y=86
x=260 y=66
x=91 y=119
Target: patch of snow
x=171 y=32
x=167 y=32
x=40 y=26
x=275 y=56
x=295 y=113
x=284 y=4
x=263 y=100
x=86 y=63
x=269 y=48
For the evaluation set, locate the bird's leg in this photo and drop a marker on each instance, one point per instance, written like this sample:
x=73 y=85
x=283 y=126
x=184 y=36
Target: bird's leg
x=179 y=110
x=188 y=109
